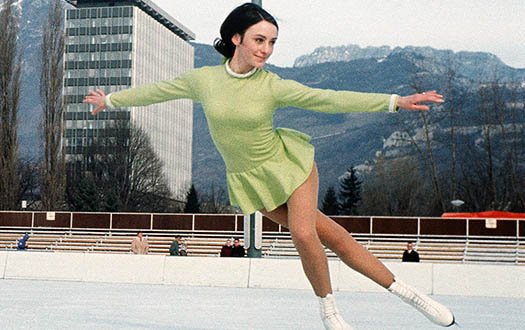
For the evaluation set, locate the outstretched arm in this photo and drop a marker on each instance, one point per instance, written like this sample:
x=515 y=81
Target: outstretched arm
x=181 y=87
x=414 y=101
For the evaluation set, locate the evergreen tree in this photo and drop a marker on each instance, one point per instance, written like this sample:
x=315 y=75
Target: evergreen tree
x=349 y=192
x=192 y=201
x=83 y=195
x=330 y=205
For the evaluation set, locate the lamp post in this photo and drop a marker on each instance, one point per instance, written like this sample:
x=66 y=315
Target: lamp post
x=253 y=234
x=253 y=222
x=457 y=202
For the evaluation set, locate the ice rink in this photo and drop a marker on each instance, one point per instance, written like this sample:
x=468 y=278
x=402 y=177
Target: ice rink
x=30 y=304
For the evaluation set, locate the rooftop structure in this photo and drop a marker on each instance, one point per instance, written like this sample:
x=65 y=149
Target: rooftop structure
x=148 y=7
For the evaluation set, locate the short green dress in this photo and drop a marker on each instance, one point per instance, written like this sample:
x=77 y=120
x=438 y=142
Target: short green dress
x=264 y=165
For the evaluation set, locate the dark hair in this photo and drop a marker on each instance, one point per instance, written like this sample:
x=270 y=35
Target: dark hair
x=238 y=21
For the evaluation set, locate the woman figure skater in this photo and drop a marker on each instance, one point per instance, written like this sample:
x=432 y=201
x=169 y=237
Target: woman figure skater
x=273 y=170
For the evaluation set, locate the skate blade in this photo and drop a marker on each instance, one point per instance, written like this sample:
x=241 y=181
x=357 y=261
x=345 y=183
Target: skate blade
x=454 y=324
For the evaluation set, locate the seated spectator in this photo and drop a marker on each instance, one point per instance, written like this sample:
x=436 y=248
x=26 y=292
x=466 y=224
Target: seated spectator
x=140 y=245
x=182 y=247
x=178 y=247
x=226 y=250
x=238 y=249
x=410 y=255
x=22 y=242
x=174 y=247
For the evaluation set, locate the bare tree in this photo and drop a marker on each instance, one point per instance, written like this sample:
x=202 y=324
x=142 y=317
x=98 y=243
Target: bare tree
x=454 y=105
x=516 y=105
x=396 y=187
x=28 y=173
x=126 y=172
x=488 y=111
x=10 y=69
x=502 y=143
x=215 y=201
x=51 y=75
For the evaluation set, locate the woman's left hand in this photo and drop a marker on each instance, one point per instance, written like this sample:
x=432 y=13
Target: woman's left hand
x=413 y=102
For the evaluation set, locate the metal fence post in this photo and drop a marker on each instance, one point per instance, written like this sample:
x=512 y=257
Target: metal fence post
x=253 y=234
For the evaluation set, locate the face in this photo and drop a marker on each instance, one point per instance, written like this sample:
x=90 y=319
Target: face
x=236 y=242
x=409 y=246
x=228 y=243
x=256 y=46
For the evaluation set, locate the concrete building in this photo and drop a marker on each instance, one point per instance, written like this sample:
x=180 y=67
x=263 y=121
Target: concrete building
x=114 y=45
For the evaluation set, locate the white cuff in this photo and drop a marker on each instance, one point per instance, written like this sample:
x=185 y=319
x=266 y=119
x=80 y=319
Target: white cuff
x=107 y=100
x=392 y=106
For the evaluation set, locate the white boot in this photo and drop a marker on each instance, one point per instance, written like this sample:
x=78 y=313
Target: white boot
x=433 y=310
x=332 y=320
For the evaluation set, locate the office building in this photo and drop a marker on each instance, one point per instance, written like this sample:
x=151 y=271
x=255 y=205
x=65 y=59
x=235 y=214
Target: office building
x=114 y=45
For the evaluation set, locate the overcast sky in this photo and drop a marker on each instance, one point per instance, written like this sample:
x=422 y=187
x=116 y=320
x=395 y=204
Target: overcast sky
x=495 y=26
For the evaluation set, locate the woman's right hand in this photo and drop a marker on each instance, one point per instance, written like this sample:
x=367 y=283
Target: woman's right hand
x=97 y=98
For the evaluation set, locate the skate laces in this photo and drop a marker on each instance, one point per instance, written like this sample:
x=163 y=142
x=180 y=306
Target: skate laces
x=422 y=303
x=329 y=308
x=418 y=300
x=332 y=320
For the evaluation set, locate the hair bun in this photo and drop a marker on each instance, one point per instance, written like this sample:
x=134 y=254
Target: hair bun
x=222 y=47
x=218 y=42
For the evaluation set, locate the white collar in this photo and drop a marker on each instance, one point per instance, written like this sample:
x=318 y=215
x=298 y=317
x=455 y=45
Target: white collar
x=238 y=75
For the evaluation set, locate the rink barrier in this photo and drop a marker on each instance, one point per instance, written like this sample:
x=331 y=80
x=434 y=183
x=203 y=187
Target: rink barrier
x=371 y=225
x=440 y=278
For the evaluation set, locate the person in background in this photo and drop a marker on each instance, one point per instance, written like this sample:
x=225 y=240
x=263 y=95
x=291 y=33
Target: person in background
x=227 y=249
x=238 y=249
x=22 y=242
x=140 y=245
x=410 y=255
x=182 y=247
x=174 y=247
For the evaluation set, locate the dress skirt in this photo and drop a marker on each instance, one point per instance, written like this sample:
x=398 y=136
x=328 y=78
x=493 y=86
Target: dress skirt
x=271 y=184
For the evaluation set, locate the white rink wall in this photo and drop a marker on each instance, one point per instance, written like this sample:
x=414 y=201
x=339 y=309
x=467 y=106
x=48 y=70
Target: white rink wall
x=439 y=279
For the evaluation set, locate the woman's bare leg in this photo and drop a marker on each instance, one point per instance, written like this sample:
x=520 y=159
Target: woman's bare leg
x=301 y=221
x=336 y=238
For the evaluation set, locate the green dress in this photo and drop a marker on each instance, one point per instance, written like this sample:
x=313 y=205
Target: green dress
x=264 y=165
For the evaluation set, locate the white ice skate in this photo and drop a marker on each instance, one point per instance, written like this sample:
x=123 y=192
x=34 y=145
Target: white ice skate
x=332 y=320
x=433 y=310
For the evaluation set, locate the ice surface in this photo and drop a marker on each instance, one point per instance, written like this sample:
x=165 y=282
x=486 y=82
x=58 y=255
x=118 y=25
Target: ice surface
x=31 y=304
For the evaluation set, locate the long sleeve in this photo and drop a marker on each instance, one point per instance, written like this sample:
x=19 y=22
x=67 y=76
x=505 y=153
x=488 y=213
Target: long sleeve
x=146 y=246
x=167 y=90
x=289 y=93
x=134 y=246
